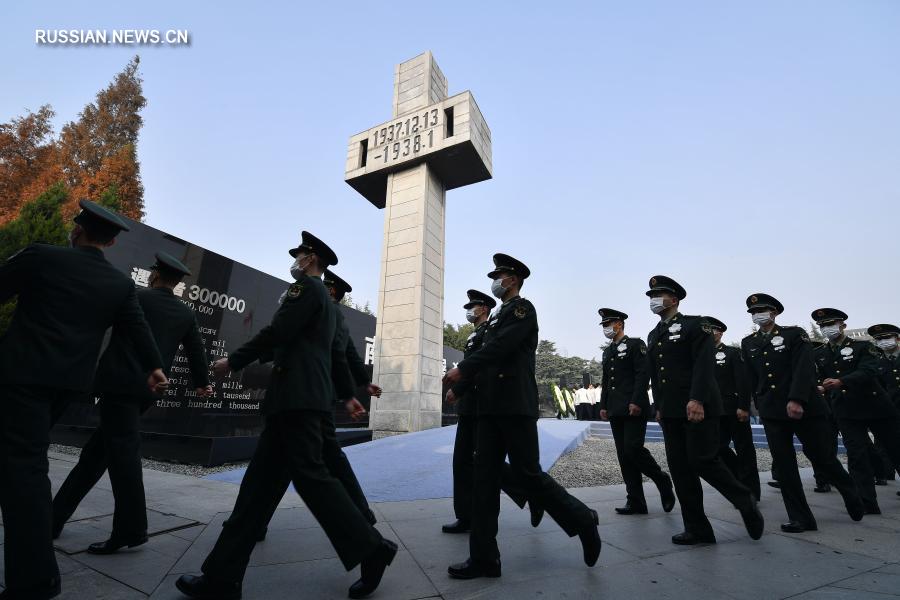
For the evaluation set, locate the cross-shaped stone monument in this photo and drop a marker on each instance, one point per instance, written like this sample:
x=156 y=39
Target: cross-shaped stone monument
x=405 y=166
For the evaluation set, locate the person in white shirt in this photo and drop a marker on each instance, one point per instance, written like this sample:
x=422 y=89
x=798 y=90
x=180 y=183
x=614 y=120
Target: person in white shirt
x=583 y=406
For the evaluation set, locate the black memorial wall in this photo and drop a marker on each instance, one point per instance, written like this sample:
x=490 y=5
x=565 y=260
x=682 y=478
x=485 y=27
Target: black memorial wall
x=232 y=303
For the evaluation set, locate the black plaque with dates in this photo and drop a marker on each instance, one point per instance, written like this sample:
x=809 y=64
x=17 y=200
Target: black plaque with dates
x=232 y=303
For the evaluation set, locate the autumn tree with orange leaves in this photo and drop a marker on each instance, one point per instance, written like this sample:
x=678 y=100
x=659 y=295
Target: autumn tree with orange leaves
x=94 y=157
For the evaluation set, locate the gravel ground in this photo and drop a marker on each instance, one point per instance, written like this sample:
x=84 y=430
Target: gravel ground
x=168 y=467
x=594 y=463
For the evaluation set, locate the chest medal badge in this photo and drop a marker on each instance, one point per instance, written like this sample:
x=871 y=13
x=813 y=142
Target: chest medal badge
x=778 y=343
x=720 y=358
x=847 y=353
x=674 y=332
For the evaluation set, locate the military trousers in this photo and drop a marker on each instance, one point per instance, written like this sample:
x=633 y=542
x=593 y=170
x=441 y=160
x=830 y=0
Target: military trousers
x=741 y=461
x=291 y=440
x=26 y=415
x=832 y=444
x=464 y=470
x=815 y=435
x=584 y=411
x=115 y=445
x=515 y=437
x=855 y=433
x=338 y=465
x=634 y=458
x=692 y=451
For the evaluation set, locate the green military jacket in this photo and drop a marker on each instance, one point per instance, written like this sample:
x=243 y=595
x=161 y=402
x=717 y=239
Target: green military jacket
x=731 y=376
x=680 y=361
x=780 y=369
x=503 y=368
x=466 y=391
x=625 y=379
x=855 y=363
x=308 y=357
x=890 y=375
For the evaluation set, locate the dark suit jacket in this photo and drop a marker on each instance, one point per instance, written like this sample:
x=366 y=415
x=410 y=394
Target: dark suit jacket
x=307 y=353
x=503 y=368
x=731 y=375
x=855 y=363
x=67 y=299
x=172 y=324
x=780 y=368
x=680 y=361
x=625 y=379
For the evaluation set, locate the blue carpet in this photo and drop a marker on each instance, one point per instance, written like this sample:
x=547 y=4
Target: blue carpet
x=417 y=466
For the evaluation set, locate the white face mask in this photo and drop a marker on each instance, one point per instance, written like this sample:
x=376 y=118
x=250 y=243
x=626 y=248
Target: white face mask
x=657 y=305
x=886 y=343
x=296 y=270
x=762 y=318
x=609 y=332
x=470 y=315
x=497 y=288
x=832 y=332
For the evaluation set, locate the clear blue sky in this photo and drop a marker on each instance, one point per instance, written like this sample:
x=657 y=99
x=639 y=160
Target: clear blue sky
x=738 y=148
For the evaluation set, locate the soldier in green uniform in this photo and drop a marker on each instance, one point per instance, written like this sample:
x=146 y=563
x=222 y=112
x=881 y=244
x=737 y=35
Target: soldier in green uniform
x=333 y=456
x=782 y=377
x=465 y=395
x=886 y=338
x=119 y=384
x=625 y=403
x=67 y=299
x=503 y=371
x=734 y=424
x=297 y=407
x=849 y=373
x=681 y=363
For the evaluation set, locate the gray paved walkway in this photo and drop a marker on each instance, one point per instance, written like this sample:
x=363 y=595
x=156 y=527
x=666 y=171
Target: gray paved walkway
x=842 y=560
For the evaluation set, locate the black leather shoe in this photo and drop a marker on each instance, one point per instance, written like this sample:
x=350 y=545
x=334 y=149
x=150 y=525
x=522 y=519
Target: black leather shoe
x=537 y=513
x=372 y=569
x=774 y=484
x=113 y=545
x=629 y=509
x=590 y=541
x=881 y=482
x=686 y=538
x=667 y=494
x=797 y=527
x=458 y=526
x=855 y=509
x=753 y=521
x=473 y=569
x=822 y=488
x=872 y=509
x=200 y=587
